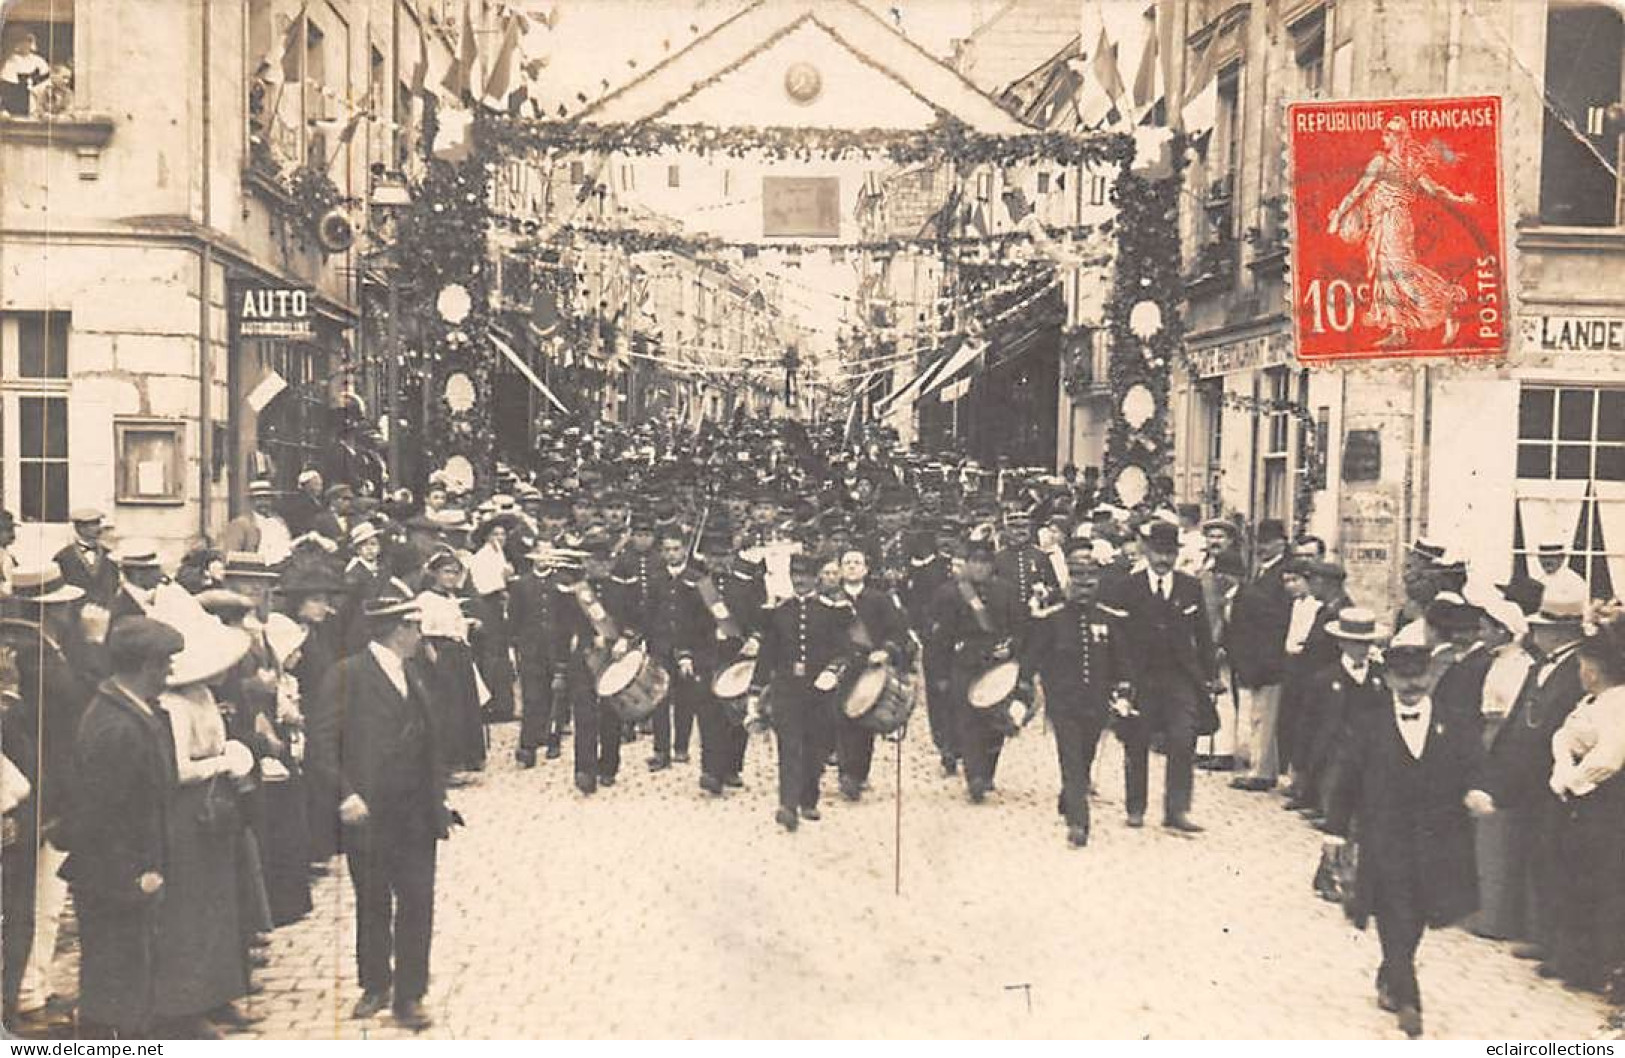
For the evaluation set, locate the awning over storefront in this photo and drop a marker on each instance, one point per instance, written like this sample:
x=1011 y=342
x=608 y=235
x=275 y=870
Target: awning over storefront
x=523 y=368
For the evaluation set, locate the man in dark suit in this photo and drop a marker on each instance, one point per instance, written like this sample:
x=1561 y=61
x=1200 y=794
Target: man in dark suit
x=1256 y=648
x=85 y=563
x=1168 y=657
x=540 y=634
x=1520 y=760
x=141 y=574
x=377 y=742
x=1075 y=655
x=1407 y=776
x=672 y=620
x=124 y=761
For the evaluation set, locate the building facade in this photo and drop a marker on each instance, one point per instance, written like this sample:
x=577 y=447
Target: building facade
x=1491 y=459
x=171 y=321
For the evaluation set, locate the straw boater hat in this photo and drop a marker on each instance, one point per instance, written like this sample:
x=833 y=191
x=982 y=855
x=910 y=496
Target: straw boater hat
x=43 y=584
x=362 y=532
x=1355 y=623
x=138 y=556
x=249 y=565
x=1563 y=602
x=261 y=487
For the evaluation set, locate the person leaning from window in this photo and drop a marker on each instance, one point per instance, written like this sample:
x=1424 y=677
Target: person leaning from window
x=20 y=71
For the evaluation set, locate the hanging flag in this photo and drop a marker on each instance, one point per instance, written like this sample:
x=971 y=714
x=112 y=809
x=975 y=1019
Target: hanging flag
x=459 y=79
x=500 y=84
x=1105 y=67
x=420 y=72
x=1147 y=82
x=1199 y=110
x=274 y=66
x=342 y=131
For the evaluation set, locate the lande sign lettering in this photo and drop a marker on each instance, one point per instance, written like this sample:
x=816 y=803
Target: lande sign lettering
x=802 y=206
x=1583 y=334
x=272 y=312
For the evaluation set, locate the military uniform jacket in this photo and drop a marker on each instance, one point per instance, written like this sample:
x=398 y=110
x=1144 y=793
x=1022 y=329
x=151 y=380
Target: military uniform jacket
x=539 y=622
x=1076 y=654
x=634 y=574
x=1027 y=568
x=55 y=693
x=674 y=621
x=745 y=596
x=956 y=630
x=801 y=637
x=884 y=624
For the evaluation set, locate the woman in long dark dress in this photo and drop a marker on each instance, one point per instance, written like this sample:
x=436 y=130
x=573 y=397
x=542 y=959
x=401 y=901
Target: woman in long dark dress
x=198 y=958
x=282 y=777
x=456 y=688
x=1588 y=752
x=307 y=598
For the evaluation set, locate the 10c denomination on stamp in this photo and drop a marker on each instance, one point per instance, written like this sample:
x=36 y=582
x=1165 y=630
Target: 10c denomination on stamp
x=1398 y=245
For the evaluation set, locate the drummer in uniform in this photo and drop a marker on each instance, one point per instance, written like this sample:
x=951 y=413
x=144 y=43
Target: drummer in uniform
x=672 y=621
x=930 y=566
x=803 y=640
x=979 y=620
x=597 y=730
x=736 y=631
x=1076 y=657
x=538 y=616
x=880 y=636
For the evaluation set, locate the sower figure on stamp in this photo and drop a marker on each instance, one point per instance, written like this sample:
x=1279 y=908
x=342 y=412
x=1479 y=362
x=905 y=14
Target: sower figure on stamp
x=1406 y=295
x=1168 y=654
x=803 y=640
x=378 y=741
x=1075 y=657
x=1404 y=784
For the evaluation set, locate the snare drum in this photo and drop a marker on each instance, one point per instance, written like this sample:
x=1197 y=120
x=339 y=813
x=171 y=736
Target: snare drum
x=993 y=693
x=880 y=700
x=731 y=686
x=634 y=685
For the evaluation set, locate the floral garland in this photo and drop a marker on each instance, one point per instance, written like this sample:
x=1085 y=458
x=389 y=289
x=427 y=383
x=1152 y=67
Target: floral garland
x=1147 y=332
x=640 y=240
x=948 y=140
x=441 y=248
x=314 y=194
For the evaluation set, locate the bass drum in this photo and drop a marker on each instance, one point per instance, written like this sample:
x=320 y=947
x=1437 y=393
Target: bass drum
x=731 y=688
x=634 y=685
x=880 y=699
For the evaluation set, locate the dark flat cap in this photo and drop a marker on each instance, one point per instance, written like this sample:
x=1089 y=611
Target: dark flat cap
x=137 y=640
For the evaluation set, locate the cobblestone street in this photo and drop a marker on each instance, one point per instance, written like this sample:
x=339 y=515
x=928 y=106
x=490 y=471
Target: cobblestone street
x=650 y=910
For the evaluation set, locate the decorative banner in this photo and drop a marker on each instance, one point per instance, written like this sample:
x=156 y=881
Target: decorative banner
x=1132 y=486
x=805 y=206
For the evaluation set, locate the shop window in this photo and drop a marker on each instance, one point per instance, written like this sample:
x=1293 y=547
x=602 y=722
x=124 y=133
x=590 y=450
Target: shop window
x=37 y=58
x=293 y=428
x=34 y=387
x=1580 y=141
x=1571 y=478
x=1209 y=446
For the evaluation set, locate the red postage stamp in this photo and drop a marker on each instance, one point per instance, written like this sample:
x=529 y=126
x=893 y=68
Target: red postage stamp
x=1398 y=245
